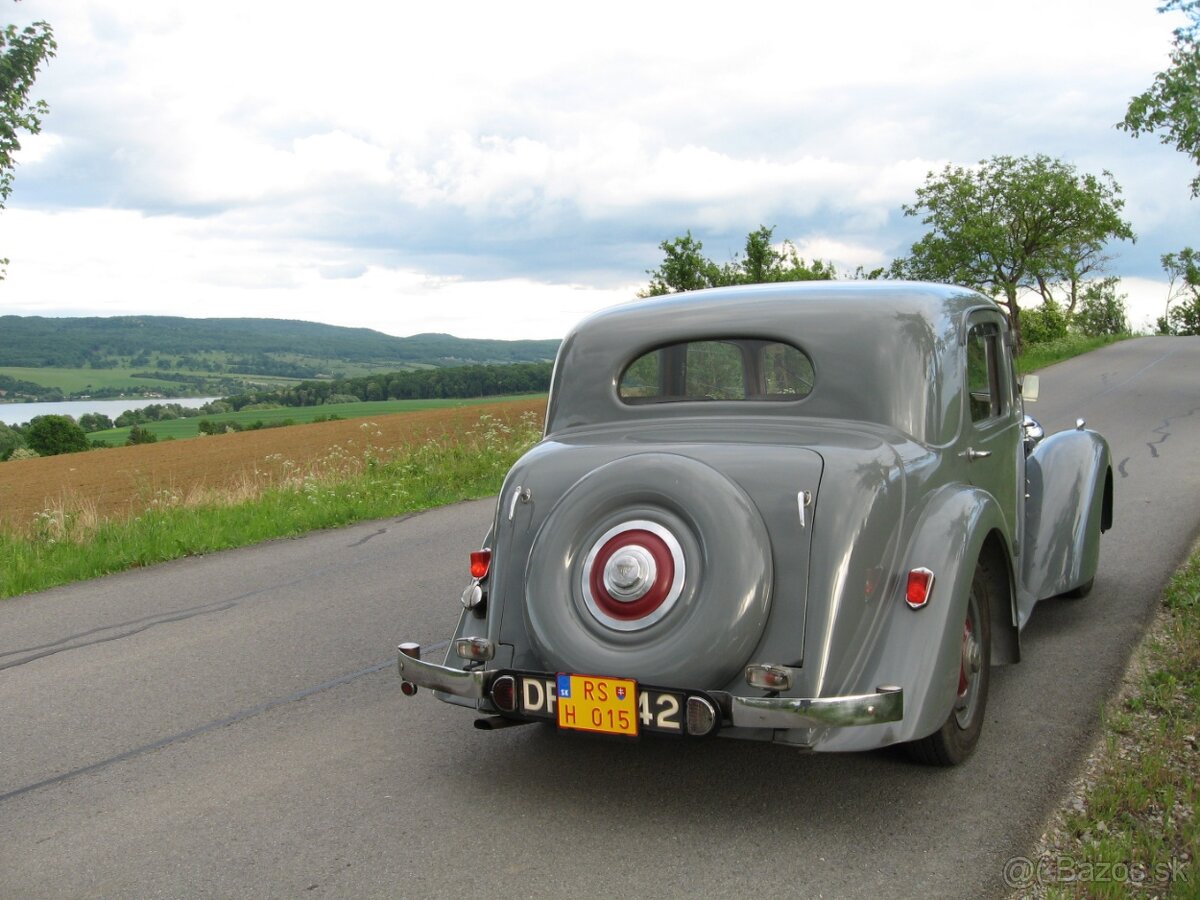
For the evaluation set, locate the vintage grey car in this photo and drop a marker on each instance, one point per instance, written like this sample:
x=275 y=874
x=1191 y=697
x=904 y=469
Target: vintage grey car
x=813 y=514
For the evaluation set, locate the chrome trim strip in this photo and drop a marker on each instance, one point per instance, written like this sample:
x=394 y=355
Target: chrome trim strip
x=803 y=499
x=886 y=705
x=471 y=684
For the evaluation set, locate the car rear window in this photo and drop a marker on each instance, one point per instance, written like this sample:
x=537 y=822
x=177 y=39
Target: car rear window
x=723 y=369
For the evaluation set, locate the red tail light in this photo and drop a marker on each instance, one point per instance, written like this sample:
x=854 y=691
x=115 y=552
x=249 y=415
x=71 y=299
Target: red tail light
x=481 y=562
x=920 y=586
x=504 y=693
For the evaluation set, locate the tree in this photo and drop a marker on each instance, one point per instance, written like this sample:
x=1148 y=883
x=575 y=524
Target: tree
x=1171 y=105
x=763 y=264
x=22 y=52
x=52 y=435
x=1081 y=261
x=90 y=422
x=1183 y=289
x=1012 y=224
x=686 y=268
x=1102 y=310
x=10 y=440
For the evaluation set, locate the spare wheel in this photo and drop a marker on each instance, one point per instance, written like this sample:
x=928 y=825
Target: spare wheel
x=654 y=566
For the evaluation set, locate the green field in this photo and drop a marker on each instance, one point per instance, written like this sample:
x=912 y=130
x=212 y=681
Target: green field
x=74 y=381
x=190 y=428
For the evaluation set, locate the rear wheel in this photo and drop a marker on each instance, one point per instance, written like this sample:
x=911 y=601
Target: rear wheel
x=1082 y=591
x=956 y=739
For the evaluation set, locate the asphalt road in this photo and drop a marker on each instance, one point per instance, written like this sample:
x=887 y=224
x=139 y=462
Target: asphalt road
x=233 y=726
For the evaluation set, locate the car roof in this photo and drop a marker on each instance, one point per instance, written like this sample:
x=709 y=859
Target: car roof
x=878 y=349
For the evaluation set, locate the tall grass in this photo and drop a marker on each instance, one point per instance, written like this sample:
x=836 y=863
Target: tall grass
x=1133 y=828
x=278 y=499
x=1038 y=356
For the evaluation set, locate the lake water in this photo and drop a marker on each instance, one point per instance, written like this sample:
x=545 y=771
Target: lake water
x=18 y=413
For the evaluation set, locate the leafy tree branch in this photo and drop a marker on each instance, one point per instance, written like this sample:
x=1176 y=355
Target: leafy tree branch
x=22 y=53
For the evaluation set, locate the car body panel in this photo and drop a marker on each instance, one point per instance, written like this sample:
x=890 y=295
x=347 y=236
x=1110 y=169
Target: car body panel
x=1070 y=489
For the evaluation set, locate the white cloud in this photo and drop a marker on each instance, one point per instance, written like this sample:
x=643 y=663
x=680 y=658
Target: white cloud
x=35 y=148
x=167 y=265
x=503 y=168
x=1145 y=301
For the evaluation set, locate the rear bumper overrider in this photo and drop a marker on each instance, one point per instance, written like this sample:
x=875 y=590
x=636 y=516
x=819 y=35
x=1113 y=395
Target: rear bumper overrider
x=886 y=704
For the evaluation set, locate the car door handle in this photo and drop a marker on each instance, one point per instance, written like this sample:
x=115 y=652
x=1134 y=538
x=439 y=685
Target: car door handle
x=971 y=454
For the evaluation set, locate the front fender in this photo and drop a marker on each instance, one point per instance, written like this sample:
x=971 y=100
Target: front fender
x=1070 y=503
x=921 y=650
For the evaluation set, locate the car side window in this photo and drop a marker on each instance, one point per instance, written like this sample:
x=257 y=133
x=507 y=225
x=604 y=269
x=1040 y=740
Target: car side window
x=985 y=397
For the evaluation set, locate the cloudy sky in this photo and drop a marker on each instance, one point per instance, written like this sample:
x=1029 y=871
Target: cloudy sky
x=500 y=170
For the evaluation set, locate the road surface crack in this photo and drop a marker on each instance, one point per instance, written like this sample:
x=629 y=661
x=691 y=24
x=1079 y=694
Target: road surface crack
x=373 y=534
x=1165 y=432
x=240 y=716
x=132 y=626
x=43 y=650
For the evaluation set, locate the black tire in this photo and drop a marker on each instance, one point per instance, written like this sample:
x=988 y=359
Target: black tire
x=1082 y=591
x=951 y=744
x=700 y=638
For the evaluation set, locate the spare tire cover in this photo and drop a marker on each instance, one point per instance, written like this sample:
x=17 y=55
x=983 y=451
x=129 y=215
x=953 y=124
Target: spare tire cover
x=654 y=566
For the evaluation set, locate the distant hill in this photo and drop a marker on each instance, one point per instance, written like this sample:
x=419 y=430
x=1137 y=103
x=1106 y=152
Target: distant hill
x=256 y=346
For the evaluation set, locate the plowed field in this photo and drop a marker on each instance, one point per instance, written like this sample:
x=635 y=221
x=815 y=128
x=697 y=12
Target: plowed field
x=125 y=480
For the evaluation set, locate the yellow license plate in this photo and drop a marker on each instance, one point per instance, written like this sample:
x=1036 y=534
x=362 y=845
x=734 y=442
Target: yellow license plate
x=604 y=705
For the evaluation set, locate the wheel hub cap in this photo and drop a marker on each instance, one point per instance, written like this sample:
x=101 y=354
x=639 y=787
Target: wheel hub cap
x=632 y=575
x=970 y=659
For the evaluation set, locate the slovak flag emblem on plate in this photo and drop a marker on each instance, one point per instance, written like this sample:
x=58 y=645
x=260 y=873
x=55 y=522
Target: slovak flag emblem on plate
x=620 y=693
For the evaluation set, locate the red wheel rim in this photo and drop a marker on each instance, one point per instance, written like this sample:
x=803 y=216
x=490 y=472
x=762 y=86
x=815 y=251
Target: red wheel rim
x=633 y=575
x=664 y=575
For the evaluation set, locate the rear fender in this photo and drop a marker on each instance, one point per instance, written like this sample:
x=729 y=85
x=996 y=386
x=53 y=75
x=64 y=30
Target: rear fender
x=921 y=649
x=1069 y=478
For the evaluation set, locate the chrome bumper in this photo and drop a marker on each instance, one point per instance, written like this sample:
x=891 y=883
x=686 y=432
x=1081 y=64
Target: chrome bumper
x=885 y=705
x=419 y=673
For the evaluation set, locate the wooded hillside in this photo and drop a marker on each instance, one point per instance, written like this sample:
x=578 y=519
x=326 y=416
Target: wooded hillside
x=257 y=346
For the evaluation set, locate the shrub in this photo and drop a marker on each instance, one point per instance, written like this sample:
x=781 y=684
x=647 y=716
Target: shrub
x=1042 y=324
x=139 y=434
x=10 y=440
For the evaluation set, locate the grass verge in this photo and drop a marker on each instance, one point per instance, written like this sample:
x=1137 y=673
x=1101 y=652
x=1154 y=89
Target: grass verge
x=1038 y=356
x=1130 y=826
x=67 y=545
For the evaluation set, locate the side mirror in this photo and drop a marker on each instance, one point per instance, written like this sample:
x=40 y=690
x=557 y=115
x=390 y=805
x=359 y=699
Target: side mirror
x=1029 y=388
